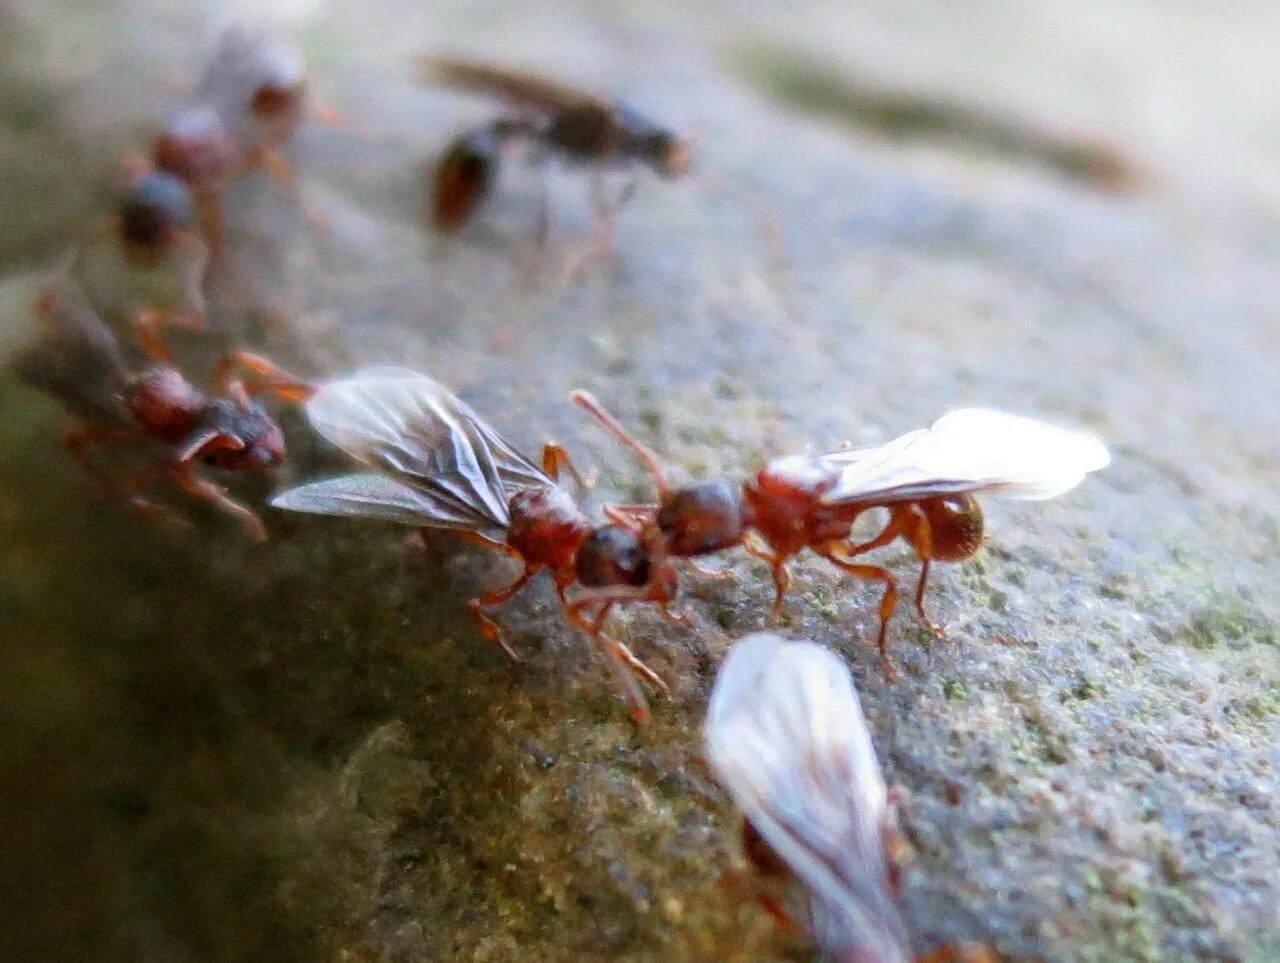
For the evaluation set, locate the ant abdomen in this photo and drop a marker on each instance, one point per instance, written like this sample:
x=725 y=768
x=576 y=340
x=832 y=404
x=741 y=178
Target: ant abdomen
x=465 y=177
x=955 y=526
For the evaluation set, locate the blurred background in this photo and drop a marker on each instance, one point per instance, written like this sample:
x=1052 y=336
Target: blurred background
x=212 y=750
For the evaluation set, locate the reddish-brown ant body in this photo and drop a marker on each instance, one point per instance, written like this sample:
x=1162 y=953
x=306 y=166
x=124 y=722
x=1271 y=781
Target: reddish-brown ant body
x=556 y=120
x=438 y=465
x=925 y=479
x=79 y=360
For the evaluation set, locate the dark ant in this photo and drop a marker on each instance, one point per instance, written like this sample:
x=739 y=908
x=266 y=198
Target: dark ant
x=554 y=119
x=78 y=360
x=152 y=233
x=926 y=480
x=438 y=465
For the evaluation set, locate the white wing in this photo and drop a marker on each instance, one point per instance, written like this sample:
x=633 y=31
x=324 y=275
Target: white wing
x=409 y=427
x=972 y=449
x=786 y=737
x=376 y=496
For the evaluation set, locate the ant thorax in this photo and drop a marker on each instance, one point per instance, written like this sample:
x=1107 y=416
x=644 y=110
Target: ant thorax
x=164 y=403
x=547 y=527
x=784 y=504
x=261 y=438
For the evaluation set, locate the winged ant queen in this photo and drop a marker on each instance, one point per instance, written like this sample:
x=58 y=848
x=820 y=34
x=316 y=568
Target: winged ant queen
x=435 y=464
x=927 y=481
x=120 y=400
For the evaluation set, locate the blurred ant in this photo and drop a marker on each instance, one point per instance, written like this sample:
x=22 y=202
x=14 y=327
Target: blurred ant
x=78 y=360
x=555 y=119
x=926 y=480
x=786 y=737
x=245 y=109
x=438 y=465
x=148 y=251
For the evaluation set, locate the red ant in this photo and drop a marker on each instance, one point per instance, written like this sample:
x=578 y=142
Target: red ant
x=926 y=480
x=438 y=465
x=245 y=109
x=79 y=361
x=554 y=119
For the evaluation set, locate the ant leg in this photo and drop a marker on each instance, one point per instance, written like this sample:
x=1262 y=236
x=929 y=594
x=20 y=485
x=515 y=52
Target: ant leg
x=778 y=565
x=279 y=382
x=633 y=517
x=899 y=523
x=921 y=538
x=888 y=601
x=146 y=326
x=79 y=437
x=490 y=629
x=555 y=458
x=280 y=169
x=217 y=496
x=588 y=402
x=718 y=574
x=626 y=666
x=157 y=513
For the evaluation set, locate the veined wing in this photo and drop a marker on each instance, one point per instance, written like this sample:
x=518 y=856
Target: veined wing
x=377 y=496
x=971 y=449
x=417 y=432
x=77 y=359
x=517 y=87
x=786 y=737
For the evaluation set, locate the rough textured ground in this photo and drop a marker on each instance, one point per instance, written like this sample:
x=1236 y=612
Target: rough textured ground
x=216 y=751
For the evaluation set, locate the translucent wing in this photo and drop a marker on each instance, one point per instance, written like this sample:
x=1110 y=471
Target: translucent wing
x=407 y=426
x=376 y=496
x=244 y=61
x=786 y=737
x=516 y=87
x=972 y=449
x=78 y=360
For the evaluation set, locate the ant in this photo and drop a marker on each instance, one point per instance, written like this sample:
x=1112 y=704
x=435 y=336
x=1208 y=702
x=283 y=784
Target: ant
x=555 y=119
x=926 y=479
x=786 y=737
x=78 y=360
x=437 y=465
x=245 y=109
x=149 y=251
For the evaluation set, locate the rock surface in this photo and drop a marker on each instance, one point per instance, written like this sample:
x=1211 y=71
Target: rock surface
x=218 y=751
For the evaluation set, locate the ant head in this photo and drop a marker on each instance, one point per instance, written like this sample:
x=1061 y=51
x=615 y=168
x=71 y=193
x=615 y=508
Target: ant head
x=464 y=178
x=260 y=453
x=702 y=518
x=157 y=207
x=613 y=555
x=195 y=148
x=662 y=150
x=163 y=401
x=241 y=438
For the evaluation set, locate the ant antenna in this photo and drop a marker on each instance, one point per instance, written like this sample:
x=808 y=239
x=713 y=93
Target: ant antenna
x=588 y=402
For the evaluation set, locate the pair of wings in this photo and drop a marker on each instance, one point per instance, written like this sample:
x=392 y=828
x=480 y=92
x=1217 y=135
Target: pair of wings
x=785 y=735
x=522 y=90
x=968 y=450
x=77 y=359
x=435 y=463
